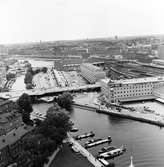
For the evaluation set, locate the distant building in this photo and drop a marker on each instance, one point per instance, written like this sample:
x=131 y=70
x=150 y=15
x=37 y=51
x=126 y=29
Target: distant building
x=11 y=148
x=69 y=63
x=161 y=51
x=92 y=73
x=3 y=50
x=130 y=89
x=2 y=74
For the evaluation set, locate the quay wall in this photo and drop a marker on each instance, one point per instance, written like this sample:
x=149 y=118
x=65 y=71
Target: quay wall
x=119 y=114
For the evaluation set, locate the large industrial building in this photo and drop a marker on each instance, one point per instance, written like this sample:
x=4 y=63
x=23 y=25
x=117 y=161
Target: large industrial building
x=92 y=73
x=131 y=89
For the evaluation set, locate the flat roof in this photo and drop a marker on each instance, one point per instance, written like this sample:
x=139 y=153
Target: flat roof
x=136 y=80
x=7 y=117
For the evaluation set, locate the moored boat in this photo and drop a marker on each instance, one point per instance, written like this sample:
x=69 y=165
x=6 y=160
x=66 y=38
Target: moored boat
x=98 y=142
x=112 y=153
x=86 y=135
x=105 y=149
x=92 y=140
x=74 y=129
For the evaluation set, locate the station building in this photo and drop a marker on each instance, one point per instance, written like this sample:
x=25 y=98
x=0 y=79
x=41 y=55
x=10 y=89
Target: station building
x=131 y=89
x=92 y=73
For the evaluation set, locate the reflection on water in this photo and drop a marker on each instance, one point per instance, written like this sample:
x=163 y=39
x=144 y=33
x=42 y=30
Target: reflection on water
x=144 y=141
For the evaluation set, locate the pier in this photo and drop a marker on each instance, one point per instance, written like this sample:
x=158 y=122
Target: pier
x=85 y=152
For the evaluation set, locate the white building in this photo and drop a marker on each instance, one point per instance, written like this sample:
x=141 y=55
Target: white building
x=131 y=89
x=92 y=73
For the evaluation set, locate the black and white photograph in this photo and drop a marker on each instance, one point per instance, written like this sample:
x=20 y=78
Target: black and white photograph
x=81 y=83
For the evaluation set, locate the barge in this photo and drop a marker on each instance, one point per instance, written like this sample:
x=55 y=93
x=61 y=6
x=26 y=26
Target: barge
x=97 y=142
x=86 y=135
x=105 y=149
x=113 y=153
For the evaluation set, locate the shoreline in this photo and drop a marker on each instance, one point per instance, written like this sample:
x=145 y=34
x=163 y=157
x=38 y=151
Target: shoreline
x=120 y=114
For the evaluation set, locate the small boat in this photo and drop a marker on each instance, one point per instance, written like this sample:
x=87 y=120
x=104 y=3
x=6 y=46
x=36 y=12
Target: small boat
x=92 y=140
x=74 y=130
x=131 y=162
x=113 y=153
x=105 y=149
x=98 y=142
x=86 y=135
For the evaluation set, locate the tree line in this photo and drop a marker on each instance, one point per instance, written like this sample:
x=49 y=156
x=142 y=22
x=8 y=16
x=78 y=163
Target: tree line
x=47 y=135
x=30 y=73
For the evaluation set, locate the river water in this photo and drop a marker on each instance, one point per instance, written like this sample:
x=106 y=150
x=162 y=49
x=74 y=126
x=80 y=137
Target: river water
x=144 y=141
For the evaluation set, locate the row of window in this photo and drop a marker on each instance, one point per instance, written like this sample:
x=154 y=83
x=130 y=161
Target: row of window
x=132 y=94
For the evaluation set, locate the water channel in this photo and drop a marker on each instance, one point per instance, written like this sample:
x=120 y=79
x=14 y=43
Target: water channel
x=145 y=142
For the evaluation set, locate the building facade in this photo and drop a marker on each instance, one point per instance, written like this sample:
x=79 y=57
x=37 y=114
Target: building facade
x=10 y=118
x=11 y=148
x=130 y=89
x=92 y=73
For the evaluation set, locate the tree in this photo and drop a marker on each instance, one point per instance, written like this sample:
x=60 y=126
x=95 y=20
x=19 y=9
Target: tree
x=10 y=76
x=47 y=135
x=54 y=108
x=56 y=125
x=65 y=101
x=39 y=147
x=44 y=69
x=28 y=78
x=28 y=86
x=25 y=105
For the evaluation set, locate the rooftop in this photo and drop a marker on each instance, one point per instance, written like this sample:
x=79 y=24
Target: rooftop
x=91 y=67
x=13 y=136
x=136 y=80
x=7 y=117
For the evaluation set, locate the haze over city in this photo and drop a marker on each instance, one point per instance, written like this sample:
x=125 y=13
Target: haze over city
x=49 y=20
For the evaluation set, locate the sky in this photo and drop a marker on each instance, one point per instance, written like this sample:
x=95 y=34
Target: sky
x=50 y=20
